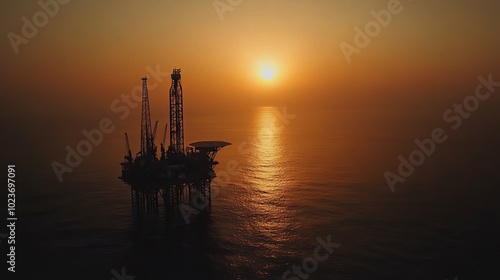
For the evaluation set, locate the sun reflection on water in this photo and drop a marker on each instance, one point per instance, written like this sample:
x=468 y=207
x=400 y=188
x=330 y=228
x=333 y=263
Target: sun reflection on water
x=268 y=177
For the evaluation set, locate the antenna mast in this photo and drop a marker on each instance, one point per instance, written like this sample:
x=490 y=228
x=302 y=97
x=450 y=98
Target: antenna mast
x=147 y=145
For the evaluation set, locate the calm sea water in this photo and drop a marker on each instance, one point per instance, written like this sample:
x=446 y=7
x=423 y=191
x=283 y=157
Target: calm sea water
x=315 y=175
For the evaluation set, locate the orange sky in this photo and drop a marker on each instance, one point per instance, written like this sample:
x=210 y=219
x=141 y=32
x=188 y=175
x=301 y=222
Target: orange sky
x=91 y=52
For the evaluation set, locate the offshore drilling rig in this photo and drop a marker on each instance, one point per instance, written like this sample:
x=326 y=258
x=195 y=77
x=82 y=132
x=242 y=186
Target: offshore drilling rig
x=179 y=175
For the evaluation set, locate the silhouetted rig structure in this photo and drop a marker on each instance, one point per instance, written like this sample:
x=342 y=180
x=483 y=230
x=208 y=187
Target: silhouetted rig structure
x=179 y=175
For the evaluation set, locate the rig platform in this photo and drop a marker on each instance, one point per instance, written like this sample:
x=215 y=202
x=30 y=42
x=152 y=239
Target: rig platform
x=179 y=175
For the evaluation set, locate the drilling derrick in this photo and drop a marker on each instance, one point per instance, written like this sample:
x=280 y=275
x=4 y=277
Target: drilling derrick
x=176 y=114
x=147 y=143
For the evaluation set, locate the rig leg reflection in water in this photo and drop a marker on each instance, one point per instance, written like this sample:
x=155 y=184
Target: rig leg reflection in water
x=195 y=192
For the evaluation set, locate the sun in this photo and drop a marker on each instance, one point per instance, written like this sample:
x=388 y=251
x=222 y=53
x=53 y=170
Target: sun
x=267 y=73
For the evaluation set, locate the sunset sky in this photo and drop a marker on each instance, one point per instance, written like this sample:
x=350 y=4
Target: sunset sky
x=92 y=52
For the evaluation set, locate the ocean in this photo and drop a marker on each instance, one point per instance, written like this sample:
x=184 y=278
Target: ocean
x=293 y=180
